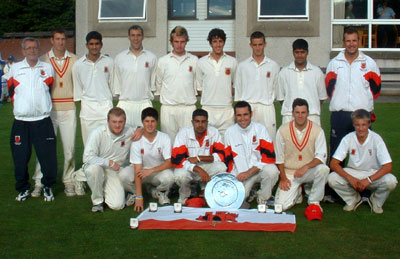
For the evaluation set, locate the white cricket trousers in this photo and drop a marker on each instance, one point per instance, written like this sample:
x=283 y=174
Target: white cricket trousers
x=66 y=122
x=267 y=177
x=108 y=185
x=265 y=114
x=162 y=181
x=220 y=117
x=314 y=118
x=88 y=125
x=133 y=110
x=183 y=177
x=175 y=117
x=317 y=176
x=381 y=187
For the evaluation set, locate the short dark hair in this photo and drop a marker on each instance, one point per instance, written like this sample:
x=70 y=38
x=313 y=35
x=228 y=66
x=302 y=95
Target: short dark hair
x=199 y=112
x=361 y=114
x=116 y=111
x=300 y=44
x=58 y=30
x=241 y=104
x=216 y=33
x=299 y=102
x=149 y=112
x=135 y=27
x=350 y=30
x=94 y=35
x=257 y=35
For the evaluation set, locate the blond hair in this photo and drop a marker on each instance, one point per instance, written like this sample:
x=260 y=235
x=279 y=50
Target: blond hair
x=179 y=31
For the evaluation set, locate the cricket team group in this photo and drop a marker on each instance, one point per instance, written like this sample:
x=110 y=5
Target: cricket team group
x=125 y=155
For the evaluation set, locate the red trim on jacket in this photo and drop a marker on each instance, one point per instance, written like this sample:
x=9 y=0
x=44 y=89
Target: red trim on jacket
x=330 y=82
x=179 y=155
x=374 y=83
x=266 y=150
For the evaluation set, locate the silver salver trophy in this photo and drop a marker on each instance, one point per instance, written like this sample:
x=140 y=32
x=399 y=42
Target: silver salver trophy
x=224 y=191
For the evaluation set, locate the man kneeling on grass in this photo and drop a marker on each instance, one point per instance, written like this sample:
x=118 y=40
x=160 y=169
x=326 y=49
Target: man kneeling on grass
x=369 y=166
x=151 y=159
x=105 y=159
x=197 y=154
x=300 y=149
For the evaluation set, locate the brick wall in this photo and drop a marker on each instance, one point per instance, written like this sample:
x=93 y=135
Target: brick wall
x=13 y=47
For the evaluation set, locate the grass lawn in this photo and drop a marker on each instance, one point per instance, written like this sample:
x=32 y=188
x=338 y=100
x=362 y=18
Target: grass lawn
x=66 y=228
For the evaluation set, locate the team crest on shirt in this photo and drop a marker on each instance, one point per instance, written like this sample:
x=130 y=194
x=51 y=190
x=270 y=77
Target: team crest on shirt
x=122 y=143
x=142 y=151
x=207 y=143
x=190 y=69
x=370 y=152
x=159 y=150
x=353 y=152
x=268 y=74
x=146 y=65
x=17 y=140
x=300 y=157
x=61 y=84
x=227 y=71
x=105 y=69
x=42 y=72
x=254 y=138
x=363 y=65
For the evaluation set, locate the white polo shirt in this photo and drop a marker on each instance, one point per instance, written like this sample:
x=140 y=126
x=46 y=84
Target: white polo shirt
x=175 y=79
x=307 y=84
x=151 y=154
x=134 y=75
x=215 y=80
x=371 y=155
x=93 y=85
x=256 y=83
x=186 y=145
x=103 y=146
x=320 y=151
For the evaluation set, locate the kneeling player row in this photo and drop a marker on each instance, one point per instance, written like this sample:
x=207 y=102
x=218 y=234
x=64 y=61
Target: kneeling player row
x=298 y=156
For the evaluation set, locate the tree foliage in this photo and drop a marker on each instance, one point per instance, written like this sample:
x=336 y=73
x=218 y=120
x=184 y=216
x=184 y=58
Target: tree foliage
x=36 y=15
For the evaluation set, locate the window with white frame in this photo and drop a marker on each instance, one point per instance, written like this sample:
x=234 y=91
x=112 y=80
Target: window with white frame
x=221 y=9
x=182 y=9
x=110 y=10
x=377 y=22
x=283 y=9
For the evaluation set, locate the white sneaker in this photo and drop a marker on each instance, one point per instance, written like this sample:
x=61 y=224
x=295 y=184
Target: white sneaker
x=154 y=193
x=329 y=199
x=37 y=191
x=69 y=190
x=98 y=208
x=299 y=198
x=252 y=196
x=350 y=207
x=375 y=208
x=163 y=198
x=22 y=196
x=48 y=194
x=79 y=188
x=130 y=199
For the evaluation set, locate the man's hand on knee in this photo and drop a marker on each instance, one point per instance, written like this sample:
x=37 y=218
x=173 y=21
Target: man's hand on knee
x=203 y=174
x=285 y=184
x=114 y=166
